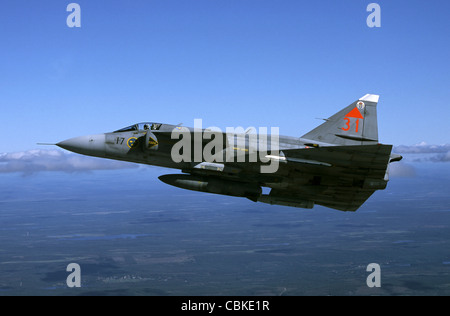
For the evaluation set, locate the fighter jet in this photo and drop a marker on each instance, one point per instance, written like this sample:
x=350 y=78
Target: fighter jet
x=339 y=164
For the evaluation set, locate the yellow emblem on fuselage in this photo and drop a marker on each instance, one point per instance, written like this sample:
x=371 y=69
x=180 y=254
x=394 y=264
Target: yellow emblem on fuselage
x=131 y=142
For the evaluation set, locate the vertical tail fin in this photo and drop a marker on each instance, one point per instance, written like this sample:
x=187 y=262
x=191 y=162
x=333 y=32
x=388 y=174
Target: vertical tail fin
x=354 y=125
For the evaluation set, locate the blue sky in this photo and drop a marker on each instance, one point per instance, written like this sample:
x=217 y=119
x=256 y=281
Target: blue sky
x=231 y=63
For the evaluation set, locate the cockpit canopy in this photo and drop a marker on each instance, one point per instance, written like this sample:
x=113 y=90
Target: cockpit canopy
x=140 y=127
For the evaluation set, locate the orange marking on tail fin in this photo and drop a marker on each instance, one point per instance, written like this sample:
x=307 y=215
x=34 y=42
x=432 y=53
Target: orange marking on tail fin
x=355 y=113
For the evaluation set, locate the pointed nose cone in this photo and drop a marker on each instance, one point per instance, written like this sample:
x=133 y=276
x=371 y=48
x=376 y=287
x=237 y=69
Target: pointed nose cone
x=91 y=145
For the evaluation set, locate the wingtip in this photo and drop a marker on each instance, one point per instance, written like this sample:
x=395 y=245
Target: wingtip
x=370 y=98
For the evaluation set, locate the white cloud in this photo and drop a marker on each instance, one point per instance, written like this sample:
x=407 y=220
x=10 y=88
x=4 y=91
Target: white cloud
x=422 y=148
x=39 y=160
x=424 y=152
x=441 y=157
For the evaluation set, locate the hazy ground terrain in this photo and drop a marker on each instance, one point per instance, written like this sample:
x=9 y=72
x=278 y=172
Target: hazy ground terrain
x=133 y=235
